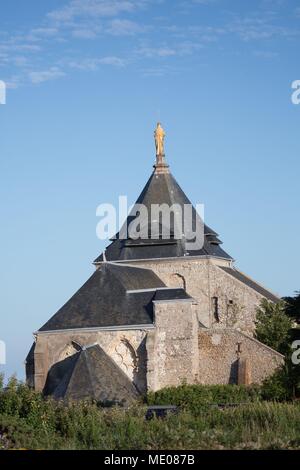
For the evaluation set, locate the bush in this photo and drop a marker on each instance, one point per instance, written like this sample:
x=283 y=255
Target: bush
x=273 y=326
x=276 y=387
x=30 y=422
x=21 y=401
x=194 y=397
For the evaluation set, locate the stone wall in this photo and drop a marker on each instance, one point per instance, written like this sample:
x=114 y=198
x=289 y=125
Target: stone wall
x=237 y=302
x=203 y=280
x=169 y=354
x=219 y=351
x=126 y=347
x=172 y=348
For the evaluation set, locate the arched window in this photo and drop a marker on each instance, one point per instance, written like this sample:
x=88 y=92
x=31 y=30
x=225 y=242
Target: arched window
x=177 y=280
x=71 y=348
x=125 y=356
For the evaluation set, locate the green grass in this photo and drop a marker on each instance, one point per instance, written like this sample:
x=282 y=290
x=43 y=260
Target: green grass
x=28 y=421
x=263 y=425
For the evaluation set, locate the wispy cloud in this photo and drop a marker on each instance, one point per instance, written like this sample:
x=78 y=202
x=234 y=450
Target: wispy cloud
x=51 y=49
x=178 y=49
x=265 y=54
x=39 y=34
x=260 y=28
x=158 y=71
x=12 y=82
x=75 y=20
x=93 y=64
x=92 y=8
x=13 y=46
x=45 y=75
x=162 y=51
x=204 y=2
x=116 y=61
x=86 y=33
x=120 y=27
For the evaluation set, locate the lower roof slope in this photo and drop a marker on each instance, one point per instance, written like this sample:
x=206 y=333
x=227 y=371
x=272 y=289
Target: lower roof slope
x=92 y=374
x=115 y=295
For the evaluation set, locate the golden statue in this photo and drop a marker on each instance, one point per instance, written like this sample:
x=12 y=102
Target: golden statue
x=159 y=135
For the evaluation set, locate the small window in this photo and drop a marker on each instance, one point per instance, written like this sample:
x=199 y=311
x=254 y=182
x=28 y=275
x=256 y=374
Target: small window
x=215 y=304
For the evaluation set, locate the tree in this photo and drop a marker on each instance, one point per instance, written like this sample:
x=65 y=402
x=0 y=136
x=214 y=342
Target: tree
x=273 y=326
x=293 y=306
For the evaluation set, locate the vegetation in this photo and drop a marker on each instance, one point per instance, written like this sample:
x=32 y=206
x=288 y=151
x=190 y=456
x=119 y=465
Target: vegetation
x=292 y=308
x=31 y=422
x=263 y=417
x=195 y=398
x=274 y=327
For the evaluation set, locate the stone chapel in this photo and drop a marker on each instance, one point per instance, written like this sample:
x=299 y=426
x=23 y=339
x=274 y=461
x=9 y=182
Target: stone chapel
x=154 y=314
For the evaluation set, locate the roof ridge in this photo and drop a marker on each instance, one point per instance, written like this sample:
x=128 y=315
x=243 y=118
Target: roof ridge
x=91 y=375
x=128 y=265
x=70 y=371
x=256 y=282
x=230 y=270
x=116 y=278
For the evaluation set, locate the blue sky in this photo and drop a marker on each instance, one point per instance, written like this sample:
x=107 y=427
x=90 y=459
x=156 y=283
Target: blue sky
x=87 y=81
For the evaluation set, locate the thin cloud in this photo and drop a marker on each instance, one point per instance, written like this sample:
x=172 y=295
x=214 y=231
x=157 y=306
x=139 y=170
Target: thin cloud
x=119 y=27
x=180 y=49
x=41 y=54
x=93 y=64
x=38 y=34
x=159 y=71
x=116 y=61
x=13 y=82
x=16 y=60
x=12 y=46
x=52 y=73
x=204 y=2
x=265 y=54
x=85 y=33
x=258 y=28
x=150 y=52
x=92 y=8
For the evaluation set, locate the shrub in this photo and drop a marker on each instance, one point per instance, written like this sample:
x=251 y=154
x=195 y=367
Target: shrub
x=193 y=397
x=276 y=387
x=273 y=326
x=29 y=421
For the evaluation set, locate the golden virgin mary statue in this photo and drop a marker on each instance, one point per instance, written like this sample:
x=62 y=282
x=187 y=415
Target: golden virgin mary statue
x=159 y=135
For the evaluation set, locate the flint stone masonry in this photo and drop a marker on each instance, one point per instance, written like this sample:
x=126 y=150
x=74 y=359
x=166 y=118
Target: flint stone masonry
x=219 y=357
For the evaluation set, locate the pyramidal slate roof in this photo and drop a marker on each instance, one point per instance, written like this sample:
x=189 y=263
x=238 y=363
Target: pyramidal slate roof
x=115 y=295
x=92 y=374
x=162 y=188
